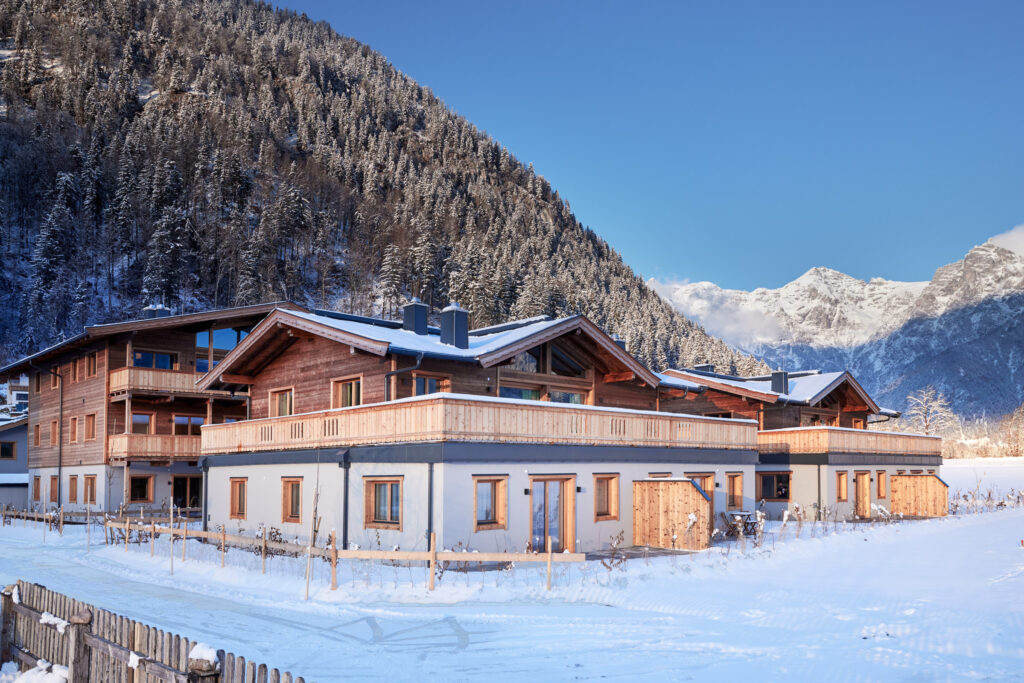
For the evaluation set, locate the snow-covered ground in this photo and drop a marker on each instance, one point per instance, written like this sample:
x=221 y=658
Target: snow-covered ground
x=931 y=600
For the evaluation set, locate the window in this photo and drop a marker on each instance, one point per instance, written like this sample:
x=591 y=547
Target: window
x=73 y=371
x=187 y=491
x=90 y=427
x=143 y=423
x=154 y=359
x=734 y=490
x=880 y=483
x=140 y=489
x=89 y=492
x=90 y=365
x=188 y=425
x=8 y=450
x=858 y=423
x=53 y=380
x=346 y=393
x=606 y=497
x=527 y=361
x=659 y=475
x=291 y=500
x=841 y=486
x=35 y=435
x=54 y=489
x=931 y=471
x=519 y=392
x=917 y=471
x=573 y=397
x=717 y=414
x=53 y=432
x=490 y=496
x=773 y=485
x=238 y=485
x=203 y=364
x=73 y=488
x=429 y=384
x=705 y=481
x=383 y=498
x=37 y=385
x=281 y=402
x=35 y=489
x=73 y=430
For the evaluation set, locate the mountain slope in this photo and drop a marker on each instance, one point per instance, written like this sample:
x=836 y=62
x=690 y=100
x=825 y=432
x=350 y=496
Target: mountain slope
x=220 y=153
x=961 y=331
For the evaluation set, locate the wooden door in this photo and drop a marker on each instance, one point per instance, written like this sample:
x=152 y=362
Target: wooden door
x=863 y=494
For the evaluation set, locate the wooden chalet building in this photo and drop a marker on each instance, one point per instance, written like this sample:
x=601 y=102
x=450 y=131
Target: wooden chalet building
x=815 y=448
x=493 y=438
x=114 y=414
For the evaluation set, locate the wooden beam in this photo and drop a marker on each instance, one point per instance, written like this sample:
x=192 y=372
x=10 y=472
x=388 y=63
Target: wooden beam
x=228 y=378
x=612 y=377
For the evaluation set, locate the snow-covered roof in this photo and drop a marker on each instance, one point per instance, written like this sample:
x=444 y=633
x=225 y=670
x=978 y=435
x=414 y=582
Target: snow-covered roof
x=678 y=383
x=407 y=342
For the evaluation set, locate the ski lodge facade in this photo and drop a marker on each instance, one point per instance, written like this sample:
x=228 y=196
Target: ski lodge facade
x=495 y=438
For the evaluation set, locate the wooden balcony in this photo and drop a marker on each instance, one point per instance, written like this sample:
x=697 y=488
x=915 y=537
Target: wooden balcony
x=150 y=380
x=121 y=447
x=458 y=417
x=841 y=440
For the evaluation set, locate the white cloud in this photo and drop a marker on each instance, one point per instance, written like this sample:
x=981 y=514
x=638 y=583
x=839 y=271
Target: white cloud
x=713 y=307
x=1011 y=239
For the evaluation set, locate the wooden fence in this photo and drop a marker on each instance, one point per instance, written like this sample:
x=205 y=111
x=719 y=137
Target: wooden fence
x=330 y=552
x=918 y=495
x=844 y=440
x=98 y=645
x=661 y=514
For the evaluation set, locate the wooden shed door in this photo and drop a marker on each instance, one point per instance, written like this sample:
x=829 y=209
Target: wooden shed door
x=863 y=492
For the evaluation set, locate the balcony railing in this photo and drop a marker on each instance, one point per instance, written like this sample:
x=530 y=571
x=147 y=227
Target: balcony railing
x=152 y=447
x=842 y=440
x=149 y=379
x=457 y=417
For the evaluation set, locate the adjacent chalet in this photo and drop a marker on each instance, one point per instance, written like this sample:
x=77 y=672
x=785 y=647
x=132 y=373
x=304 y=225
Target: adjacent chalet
x=114 y=412
x=814 y=447
x=495 y=438
x=14 y=463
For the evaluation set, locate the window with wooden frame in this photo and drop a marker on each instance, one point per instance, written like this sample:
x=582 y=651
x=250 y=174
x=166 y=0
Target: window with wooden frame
x=8 y=450
x=291 y=500
x=36 y=435
x=37 y=383
x=705 y=480
x=36 y=483
x=430 y=383
x=89 y=489
x=521 y=392
x=158 y=360
x=53 y=432
x=54 y=489
x=238 y=497
x=383 y=499
x=917 y=471
x=73 y=371
x=880 y=483
x=143 y=423
x=140 y=489
x=53 y=379
x=842 y=487
x=91 y=363
x=188 y=425
x=774 y=486
x=490 y=502
x=901 y=471
x=734 y=490
x=73 y=488
x=606 y=497
x=282 y=402
x=73 y=430
x=90 y=427
x=931 y=471
x=659 y=475
x=346 y=392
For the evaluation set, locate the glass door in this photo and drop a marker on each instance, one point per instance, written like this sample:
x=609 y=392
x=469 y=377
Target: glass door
x=547 y=514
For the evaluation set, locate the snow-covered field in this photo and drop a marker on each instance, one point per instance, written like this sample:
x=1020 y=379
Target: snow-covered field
x=932 y=600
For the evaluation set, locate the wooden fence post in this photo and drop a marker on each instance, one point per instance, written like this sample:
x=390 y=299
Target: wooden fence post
x=88 y=528
x=184 y=539
x=7 y=624
x=223 y=539
x=171 y=534
x=78 y=651
x=127 y=529
x=433 y=559
x=61 y=520
x=152 y=538
x=549 y=562
x=203 y=671
x=334 y=562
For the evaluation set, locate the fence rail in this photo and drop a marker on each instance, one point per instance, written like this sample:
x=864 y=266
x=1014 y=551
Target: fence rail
x=840 y=440
x=153 y=446
x=98 y=645
x=151 y=379
x=457 y=417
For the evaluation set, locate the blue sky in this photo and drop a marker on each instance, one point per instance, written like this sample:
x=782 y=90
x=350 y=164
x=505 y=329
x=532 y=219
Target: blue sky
x=740 y=142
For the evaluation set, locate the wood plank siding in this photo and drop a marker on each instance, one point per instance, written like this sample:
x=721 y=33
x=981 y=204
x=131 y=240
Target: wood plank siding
x=837 y=440
x=450 y=417
x=153 y=447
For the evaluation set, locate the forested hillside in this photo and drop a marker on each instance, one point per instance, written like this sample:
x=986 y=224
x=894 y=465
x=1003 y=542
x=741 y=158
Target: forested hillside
x=220 y=153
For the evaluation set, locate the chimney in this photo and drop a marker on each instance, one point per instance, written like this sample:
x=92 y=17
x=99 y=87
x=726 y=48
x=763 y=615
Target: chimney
x=414 y=316
x=707 y=367
x=455 y=326
x=155 y=311
x=780 y=382
x=619 y=341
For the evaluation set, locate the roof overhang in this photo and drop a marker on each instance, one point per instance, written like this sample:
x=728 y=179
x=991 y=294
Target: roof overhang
x=710 y=383
x=846 y=377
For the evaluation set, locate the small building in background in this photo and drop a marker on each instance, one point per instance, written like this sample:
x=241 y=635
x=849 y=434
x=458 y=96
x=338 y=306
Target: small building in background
x=14 y=480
